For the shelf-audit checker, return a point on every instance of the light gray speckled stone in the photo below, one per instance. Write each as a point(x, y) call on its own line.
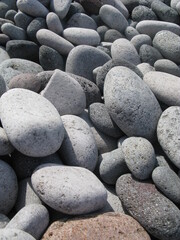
point(5, 146)
point(8, 187)
point(139, 156)
point(3, 54)
point(131, 103)
point(168, 133)
point(79, 146)
point(13, 32)
point(31, 122)
point(33, 219)
point(174, 3)
point(168, 66)
point(167, 182)
point(14, 234)
point(141, 39)
point(53, 23)
point(71, 190)
point(65, 93)
point(60, 7)
point(145, 68)
point(165, 86)
point(3, 220)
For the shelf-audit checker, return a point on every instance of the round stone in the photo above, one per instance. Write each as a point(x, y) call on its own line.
point(141, 13)
point(145, 68)
point(141, 39)
point(9, 234)
point(35, 25)
point(167, 66)
point(149, 54)
point(61, 8)
point(22, 20)
point(111, 35)
point(53, 23)
point(13, 32)
point(130, 32)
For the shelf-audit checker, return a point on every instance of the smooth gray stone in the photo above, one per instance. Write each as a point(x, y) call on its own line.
point(53, 23)
point(3, 220)
point(26, 194)
point(13, 32)
point(141, 39)
point(22, 20)
point(139, 156)
point(8, 187)
point(167, 66)
point(75, 7)
point(122, 49)
point(164, 12)
point(3, 20)
point(65, 93)
point(79, 146)
point(32, 7)
point(141, 13)
point(102, 120)
point(13, 67)
point(33, 219)
point(5, 146)
point(81, 20)
point(10, 14)
point(3, 54)
point(168, 133)
point(131, 103)
point(3, 9)
point(167, 182)
point(165, 86)
point(35, 25)
point(70, 190)
point(82, 60)
point(36, 137)
point(151, 27)
point(81, 36)
point(168, 44)
point(9, 234)
point(3, 39)
point(130, 32)
point(53, 40)
point(156, 213)
point(113, 18)
point(174, 3)
point(61, 8)
point(112, 166)
point(145, 68)
point(102, 30)
point(149, 54)
point(3, 87)
point(111, 35)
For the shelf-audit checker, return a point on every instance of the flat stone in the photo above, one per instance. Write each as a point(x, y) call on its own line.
point(70, 190)
point(81, 153)
point(35, 25)
point(3, 220)
point(149, 54)
point(141, 39)
point(81, 20)
point(36, 137)
point(32, 219)
point(9, 234)
point(156, 213)
point(8, 187)
point(13, 32)
point(53, 23)
point(139, 156)
point(60, 7)
point(141, 13)
point(167, 66)
point(5, 146)
point(165, 86)
point(65, 93)
point(135, 116)
point(168, 133)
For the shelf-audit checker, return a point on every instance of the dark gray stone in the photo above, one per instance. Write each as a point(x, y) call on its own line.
point(35, 25)
point(149, 54)
point(3, 220)
point(111, 35)
point(130, 32)
point(5, 146)
point(13, 32)
point(141, 13)
point(10, 14)
point(140, 40)
point(102, 31)
point(167, 66)
point(22, 20)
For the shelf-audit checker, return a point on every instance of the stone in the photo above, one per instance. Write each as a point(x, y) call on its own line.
point(35, 25)
point(32, 219)
point(168, 133)
point(3, 87)
point(145, 68)
point(3, 20)
point(167, 66)
point(53, 40)
point(3, 9)
point(156, 213)
point(81, 20)
point(174, 3)
point(75, 7)
point(102, 30)
point(9, 234)
point(70, 190)
point(111, 35)
point(101, 119)
point(23, 49)
point(101, 226)
point(168, 182)
point(130, 4)
point(151, 27)
point(3, 54)
point(3, 220)
point(140, 40)
point(73, 152)
point(130, 32)
point(135, 116)
point(32, 7)
point(141, 13)
point(65, 93)
point(50, 59)
point(81, 36)
point(122, 49)
point(3, 39)
point(178, 8)
point(53, 23)
point(139, 156)
point(13, 67)
point(5, 146)
point(61, 8)
point(22, 20)
point(45, 2)
point(165, 86)
point(32, 136)
point(10, 14)
point(149, 54)
point(168, 44)
point(112, 166)
point(13, 32)
point(25, 81)
point(78, 63)
point(8, 187)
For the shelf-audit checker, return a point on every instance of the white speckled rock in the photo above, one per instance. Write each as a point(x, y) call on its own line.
point(122, 49)
point(8, 187)
point(65, 93)
point(139, 156)
point(168, 133)
point(79, 146)
point(131, 103)
point(5, 145)
point(60, 7)
point(14, 234)
point(71, 190)
point(80, 36)
point(166, 87)
point(31, 122)
point(32, 219)
point(53, 23)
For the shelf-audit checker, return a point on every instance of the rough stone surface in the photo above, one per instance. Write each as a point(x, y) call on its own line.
point(35, 25)
point(145, 68)
point(10, 234)
point(149, 54)
point(141, 13)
